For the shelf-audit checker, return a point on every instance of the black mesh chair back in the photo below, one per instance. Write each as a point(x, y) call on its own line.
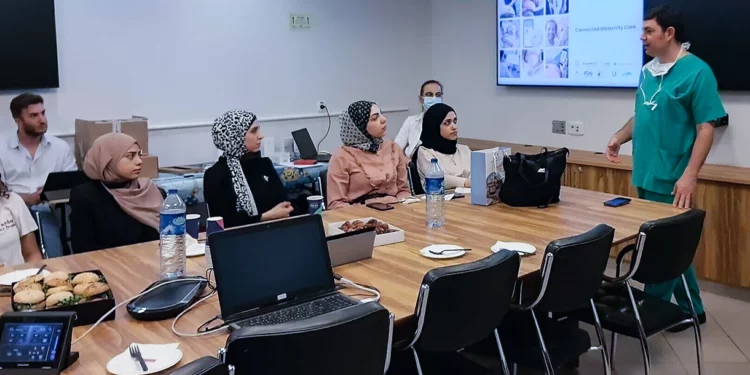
point(355, 340)
point(669, 246)
point(414, 181)
point(323, 185)
point(577, 268)
point(461, 305)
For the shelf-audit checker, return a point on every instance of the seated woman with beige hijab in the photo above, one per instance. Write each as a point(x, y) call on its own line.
point(118, 207)
point(368, 168)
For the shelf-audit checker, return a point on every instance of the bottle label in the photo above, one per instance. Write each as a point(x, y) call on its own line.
point(172, 224)
point(434, 186)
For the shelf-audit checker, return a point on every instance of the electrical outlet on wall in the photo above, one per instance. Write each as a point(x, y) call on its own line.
point(575, 128)
point(320, 105)
point(558, 126)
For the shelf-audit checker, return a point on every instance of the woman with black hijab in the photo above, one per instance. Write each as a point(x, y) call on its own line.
point(440, 141)
point(243, 187)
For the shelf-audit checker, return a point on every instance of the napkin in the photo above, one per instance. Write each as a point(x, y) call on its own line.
point(156, 356)
point(189, 240)
point(462, 190)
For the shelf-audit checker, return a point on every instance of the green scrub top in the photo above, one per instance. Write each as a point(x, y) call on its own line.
point(663, 137)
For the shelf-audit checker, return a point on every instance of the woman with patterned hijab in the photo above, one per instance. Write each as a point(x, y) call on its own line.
point(368, 168)
point(243, 187)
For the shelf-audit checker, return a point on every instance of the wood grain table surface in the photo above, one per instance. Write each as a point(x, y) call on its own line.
point(396, 270)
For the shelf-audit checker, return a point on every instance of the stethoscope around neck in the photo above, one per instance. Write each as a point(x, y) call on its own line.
point(650, 102)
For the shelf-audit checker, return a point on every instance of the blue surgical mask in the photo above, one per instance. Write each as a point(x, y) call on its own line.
point(429, 101)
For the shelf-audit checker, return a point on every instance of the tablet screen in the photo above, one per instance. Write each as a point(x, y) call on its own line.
point(38, 343)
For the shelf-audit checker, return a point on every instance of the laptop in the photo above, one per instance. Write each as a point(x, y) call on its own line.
point(275, 272)
point(350, 247)
point(58, 184)
point(307, 149)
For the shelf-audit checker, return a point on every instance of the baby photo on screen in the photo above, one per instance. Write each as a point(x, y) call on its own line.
point(509, 34)
point(531, 8)
point(533, 63)
point(509, 8)
point(510, 64)
point(557, 7)
point(556, 64)
point(556, 32)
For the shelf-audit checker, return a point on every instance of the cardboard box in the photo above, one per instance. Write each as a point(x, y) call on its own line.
point(487, 175)
point(150, 167)
point(87, 131)
point(380, 240)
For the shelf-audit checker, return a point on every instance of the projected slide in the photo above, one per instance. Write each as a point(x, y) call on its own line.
point(569, 42)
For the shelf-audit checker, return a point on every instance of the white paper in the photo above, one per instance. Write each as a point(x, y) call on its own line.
point(291, 165)
point(463, 190)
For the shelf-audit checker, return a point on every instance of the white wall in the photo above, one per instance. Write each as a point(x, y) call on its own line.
point(187, 61)
point(463, 58)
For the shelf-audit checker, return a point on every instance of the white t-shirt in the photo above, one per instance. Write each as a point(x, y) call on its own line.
point(409, 134)
point(15, 222)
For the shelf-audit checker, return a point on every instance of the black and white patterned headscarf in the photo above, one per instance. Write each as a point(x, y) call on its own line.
point(229, 136)
point(354, 127)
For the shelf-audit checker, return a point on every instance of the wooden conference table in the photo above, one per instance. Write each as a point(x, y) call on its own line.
point(396, 270)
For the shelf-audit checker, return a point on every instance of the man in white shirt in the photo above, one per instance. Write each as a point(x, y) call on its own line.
point(408, 136)
point(29, 155)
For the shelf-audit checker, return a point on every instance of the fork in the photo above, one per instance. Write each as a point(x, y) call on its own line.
point(135, 353)
point(447, 250)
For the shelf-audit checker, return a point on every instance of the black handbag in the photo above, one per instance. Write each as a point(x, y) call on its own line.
point(533, 180)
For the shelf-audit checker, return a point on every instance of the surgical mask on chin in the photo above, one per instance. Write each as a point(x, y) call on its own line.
point(659, 69)
point(429, 101)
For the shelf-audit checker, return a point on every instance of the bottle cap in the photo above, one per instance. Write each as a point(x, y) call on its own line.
point(172, 191)
point(434, 160)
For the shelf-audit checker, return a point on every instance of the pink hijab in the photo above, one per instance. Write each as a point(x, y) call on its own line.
point(139, 198)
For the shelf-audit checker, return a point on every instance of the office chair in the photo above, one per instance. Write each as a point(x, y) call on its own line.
point(205, 366)
point(461, 305)
point(49, 249)
point(323, 186)
point(355, 340)
point(664, 251)
point(415, 183)
point(572, 272)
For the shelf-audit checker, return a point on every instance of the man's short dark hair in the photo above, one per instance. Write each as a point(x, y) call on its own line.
point(430, 82)
point(23, 101)
point(667, 17)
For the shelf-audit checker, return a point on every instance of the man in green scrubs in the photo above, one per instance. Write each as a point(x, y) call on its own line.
point(676, 108)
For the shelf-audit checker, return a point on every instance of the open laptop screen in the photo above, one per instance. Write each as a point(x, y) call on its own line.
point(261, 265)
point(307, 150)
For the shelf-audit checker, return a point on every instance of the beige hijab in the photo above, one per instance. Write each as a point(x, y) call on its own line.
point(139, 198)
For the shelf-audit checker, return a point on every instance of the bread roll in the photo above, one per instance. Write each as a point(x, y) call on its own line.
point(56, 279)
point(86, 277)
point(32, 279)
point(28, 286)
point(29, 300)
point(58, 289)
point(54, 299)
point(90, 289)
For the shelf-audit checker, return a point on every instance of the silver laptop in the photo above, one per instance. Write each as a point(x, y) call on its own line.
point(351, 247)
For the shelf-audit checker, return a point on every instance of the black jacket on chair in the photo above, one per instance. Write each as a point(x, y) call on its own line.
point(97, 222)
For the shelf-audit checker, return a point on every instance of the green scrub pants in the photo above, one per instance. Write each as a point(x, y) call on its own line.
point(665, 290)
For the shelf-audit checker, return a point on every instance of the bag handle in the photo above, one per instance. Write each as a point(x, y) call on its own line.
point(523, 175)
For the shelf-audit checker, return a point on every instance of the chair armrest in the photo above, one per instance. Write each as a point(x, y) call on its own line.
point(620, 258)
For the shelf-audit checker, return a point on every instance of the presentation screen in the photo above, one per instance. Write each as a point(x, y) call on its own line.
point(591, 43)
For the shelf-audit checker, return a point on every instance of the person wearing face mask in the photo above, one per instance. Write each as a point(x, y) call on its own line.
point(408, 136)
point(440, 141)
point(368, 168)
point(117, 207)
point(677, 105)
point(243, 187)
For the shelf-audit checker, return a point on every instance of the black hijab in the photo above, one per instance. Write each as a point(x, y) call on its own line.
point(431, 123)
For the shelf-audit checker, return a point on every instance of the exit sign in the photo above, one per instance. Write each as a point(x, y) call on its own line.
point(300, 21)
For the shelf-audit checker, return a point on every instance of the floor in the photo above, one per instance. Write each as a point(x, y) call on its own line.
point(726, 341)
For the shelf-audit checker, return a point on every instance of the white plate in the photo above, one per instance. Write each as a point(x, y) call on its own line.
point(196, 250)
point(447, 255)
point(16, 276)
point(122, 364)
point(519, 247)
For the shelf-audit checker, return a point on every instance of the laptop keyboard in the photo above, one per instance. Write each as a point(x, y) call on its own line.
point(302, 311)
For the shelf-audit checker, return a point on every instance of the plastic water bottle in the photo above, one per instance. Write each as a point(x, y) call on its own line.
point(172, 235)
point(435, 195)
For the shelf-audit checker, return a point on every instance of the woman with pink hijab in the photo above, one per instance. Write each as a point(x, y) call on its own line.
point(117, 207)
